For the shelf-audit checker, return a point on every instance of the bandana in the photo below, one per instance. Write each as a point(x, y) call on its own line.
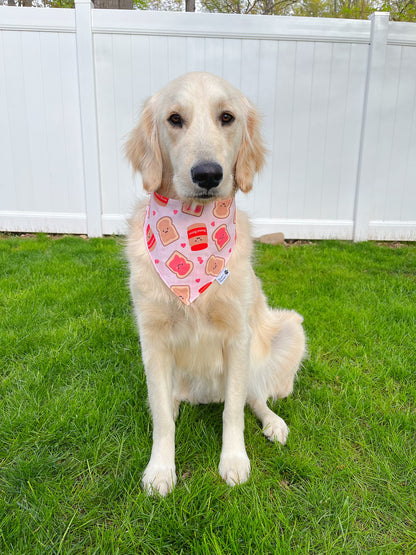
point(190, 243)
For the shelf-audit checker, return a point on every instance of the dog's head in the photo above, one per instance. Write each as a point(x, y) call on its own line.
point(198, 138)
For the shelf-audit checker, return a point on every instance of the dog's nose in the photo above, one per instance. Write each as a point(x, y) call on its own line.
point(207, 175)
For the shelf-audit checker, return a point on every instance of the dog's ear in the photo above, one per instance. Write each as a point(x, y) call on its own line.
point(143, 150)
point(251, 156)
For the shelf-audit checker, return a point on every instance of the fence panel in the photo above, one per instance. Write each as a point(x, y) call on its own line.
point(393, 180)
point(41, 185)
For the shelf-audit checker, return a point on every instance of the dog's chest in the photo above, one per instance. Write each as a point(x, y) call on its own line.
point(200, 339)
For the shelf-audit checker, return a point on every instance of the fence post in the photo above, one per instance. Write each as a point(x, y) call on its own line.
point(367, 158)
point(89, 130)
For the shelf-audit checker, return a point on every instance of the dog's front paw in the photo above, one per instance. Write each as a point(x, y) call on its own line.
point(275, 429)
point(159, 479)
point(234, 469)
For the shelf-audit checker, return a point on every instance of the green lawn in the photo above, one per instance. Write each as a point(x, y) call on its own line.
point(75, 431)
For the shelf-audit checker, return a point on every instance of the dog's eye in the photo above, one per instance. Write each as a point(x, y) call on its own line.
point(226, 118)
point(175, 120)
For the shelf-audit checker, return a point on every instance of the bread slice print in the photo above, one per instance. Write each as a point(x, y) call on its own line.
point(214, 265)
point(167, 231)
point(192, 208)
point(222, 208)
point(183, 292)
point(179, 265)
point(221, 237)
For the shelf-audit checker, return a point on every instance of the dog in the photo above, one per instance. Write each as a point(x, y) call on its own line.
point(197, 143)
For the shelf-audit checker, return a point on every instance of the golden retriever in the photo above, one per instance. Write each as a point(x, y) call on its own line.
point(198, 140)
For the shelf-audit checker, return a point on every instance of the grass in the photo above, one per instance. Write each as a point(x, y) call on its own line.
point(75, 431)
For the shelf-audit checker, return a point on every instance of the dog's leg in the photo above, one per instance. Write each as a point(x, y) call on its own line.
point(274, 376)
point(274, 427)
point(160, 473)
point(234, 464)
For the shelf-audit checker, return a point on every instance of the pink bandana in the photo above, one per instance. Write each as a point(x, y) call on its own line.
point(189, 243)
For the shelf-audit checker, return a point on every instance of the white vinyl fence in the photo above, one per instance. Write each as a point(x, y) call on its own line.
point(338, 98)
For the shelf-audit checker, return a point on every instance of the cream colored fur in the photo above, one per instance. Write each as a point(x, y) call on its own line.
point(228, 345)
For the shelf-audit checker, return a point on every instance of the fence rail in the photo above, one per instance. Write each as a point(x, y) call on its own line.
point(338, 99)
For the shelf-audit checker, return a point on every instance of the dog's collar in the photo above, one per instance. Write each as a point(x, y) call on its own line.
point(190, 243)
